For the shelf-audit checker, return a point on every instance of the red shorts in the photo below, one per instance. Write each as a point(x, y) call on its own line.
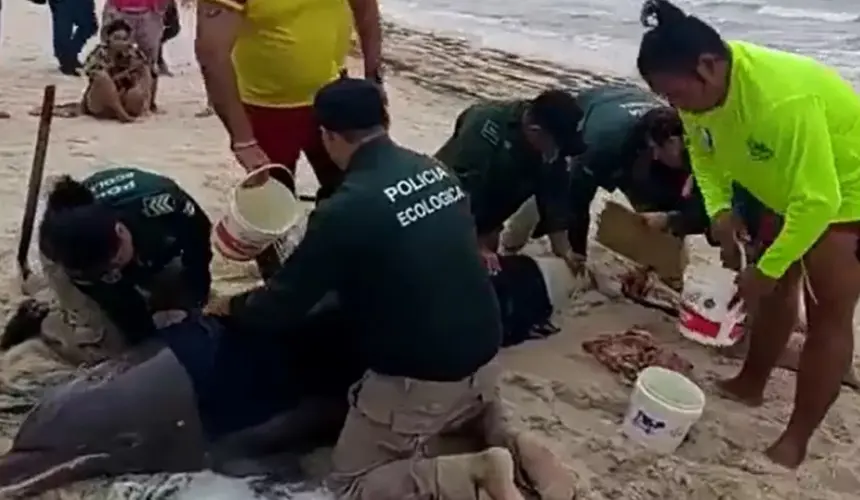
point(285, 133)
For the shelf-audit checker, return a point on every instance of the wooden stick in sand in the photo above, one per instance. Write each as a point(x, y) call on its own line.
point(36, 173)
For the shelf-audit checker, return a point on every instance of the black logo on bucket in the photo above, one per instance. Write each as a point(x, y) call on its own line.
point(647, 424)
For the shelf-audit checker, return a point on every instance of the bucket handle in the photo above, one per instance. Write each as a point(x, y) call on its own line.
point(737, 311)
point(254, 174)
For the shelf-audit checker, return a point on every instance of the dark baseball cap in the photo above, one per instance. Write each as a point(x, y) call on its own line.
point(350, 104)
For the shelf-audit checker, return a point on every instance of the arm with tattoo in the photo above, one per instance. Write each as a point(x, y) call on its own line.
point(218, 23)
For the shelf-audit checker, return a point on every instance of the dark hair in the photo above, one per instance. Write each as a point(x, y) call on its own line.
point(77, 232)
point(558, 113)
point(658, 125)
point(675, 40)
point(116, 25)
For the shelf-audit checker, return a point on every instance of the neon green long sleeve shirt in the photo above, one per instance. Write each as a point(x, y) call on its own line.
point(789, 132)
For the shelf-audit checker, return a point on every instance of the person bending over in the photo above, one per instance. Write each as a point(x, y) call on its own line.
point(792, 142)
point(504, 152)
point(120, 77)
point(427, 338)
point(113, 241)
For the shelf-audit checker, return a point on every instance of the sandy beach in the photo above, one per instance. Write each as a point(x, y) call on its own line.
point(552, 386)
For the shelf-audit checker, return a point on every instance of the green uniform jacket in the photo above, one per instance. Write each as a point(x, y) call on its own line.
point(166, 225)
point(397, 245)
point(611, 114)
point(496, 166)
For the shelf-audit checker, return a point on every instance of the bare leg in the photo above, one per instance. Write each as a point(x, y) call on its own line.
point(834, 272)
point(136, 99)
point(102, 99)
point(769, 331)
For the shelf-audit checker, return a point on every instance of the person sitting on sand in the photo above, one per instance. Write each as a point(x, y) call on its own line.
point(792, 142)
point(120, 77)
point(109, 242)
point(505, 152)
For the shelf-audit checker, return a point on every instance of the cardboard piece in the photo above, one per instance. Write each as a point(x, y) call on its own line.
point(621, 230)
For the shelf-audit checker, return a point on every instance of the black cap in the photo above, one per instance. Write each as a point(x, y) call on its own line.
point(350, 104)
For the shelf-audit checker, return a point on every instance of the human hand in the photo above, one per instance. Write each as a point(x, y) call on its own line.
point(251, 156)
point(491, 261)
point(753, 286)
point(658, 221)
point(576, 263)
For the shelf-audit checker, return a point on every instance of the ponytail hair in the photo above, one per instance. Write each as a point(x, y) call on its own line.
point(77, 232)
point(68, 193)
point(675, 40)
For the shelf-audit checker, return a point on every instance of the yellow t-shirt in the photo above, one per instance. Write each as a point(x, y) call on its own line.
point(288, 49)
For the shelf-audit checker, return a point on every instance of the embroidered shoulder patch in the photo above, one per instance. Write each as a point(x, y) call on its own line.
point(160, 204)
point(491, 133)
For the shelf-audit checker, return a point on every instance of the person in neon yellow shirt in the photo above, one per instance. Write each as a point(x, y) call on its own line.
point(787, 128)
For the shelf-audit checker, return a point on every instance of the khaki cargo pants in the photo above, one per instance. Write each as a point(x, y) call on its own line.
point(382, 452)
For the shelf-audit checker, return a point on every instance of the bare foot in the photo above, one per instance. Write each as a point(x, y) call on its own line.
point(739, 390)
point(493, 471)
point(546, 472)
point(787, 453)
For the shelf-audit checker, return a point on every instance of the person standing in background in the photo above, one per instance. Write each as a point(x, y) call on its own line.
point(264, 61)
point(172, 27)
point(74, 23)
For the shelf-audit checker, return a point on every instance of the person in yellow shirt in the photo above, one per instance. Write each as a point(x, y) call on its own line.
point(264, 60)
point(786, 128)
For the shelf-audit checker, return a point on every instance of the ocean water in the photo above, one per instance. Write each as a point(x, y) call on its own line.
point(604, 34)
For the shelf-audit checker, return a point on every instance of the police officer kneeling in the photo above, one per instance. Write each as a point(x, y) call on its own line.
point(397, 244)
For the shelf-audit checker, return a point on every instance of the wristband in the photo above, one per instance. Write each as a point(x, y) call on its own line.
point(238, 146)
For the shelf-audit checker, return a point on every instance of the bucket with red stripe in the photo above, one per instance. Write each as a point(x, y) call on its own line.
point(258, 216)
point(708, 312)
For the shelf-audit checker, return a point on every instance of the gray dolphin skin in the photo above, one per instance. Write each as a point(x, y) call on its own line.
point(114, 420)
point(141, 413)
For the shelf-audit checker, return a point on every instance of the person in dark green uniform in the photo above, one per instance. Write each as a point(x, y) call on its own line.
point(116, 242)
point(428, 337)
point(505, 152)
point(635, 144)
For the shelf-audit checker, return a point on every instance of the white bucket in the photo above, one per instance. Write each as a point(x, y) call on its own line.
point(704, 312)
point(663, 406)
point(257, 217)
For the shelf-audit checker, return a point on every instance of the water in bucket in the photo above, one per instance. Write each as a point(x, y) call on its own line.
point(664, 405)
point(257, 217)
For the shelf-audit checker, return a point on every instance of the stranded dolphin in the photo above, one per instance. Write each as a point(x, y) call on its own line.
point(199, 397)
